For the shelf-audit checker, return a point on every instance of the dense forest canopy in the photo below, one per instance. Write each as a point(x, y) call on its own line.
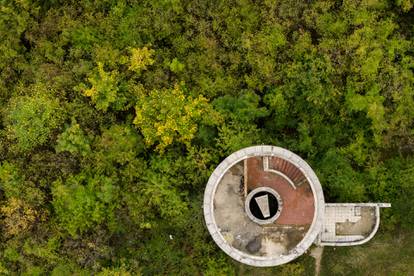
point(113, 114)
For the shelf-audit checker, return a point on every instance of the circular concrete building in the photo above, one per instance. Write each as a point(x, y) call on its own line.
point(264, 206)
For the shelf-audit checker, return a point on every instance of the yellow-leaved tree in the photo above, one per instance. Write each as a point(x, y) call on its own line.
point(140, 59)
point(18, 216)
point(107, 88)
point(104, 88)
point(168, 115)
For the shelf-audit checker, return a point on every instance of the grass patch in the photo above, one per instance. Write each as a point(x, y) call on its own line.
point(387, 254)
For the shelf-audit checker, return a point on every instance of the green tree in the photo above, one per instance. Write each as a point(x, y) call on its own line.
point(119, 144)
point(74, 140)
point(84, 201)
point(30, 120)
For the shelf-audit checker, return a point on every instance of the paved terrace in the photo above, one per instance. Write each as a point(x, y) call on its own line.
point(347, 224)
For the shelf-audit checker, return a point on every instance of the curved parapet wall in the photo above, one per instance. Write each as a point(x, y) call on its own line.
point(348, 224)
point(240, 237)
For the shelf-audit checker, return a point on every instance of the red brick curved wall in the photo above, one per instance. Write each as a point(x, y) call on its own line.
point(298, 204)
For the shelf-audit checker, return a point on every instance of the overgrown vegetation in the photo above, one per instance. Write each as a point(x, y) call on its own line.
point(114, 113)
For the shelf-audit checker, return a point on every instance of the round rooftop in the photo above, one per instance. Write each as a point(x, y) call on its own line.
point(264, 206)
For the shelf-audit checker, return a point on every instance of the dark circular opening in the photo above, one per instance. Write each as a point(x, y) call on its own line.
point(272, 203)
